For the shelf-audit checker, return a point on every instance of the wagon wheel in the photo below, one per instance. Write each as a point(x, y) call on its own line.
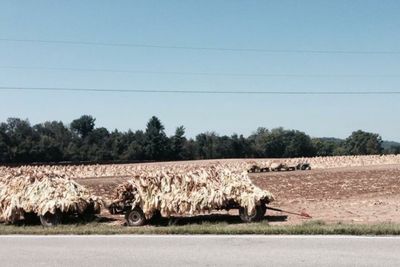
point(50, 219)
point(257, 215)
point(135, 217)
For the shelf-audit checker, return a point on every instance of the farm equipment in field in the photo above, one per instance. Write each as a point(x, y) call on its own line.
point(303, 166)
point(279, 166)
point(255, 168)
point(288, 167)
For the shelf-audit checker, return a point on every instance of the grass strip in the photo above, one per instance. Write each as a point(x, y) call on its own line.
point(262, 228)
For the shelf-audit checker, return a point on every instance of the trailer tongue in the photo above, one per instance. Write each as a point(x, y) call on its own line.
point(302, 214)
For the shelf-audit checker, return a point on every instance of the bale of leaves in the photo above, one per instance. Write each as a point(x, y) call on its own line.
point(190, 191)
point(24, 192)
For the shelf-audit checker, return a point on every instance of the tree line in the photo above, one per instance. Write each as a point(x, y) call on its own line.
point(54, 141)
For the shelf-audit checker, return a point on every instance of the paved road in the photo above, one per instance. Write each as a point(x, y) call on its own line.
point(198, 251)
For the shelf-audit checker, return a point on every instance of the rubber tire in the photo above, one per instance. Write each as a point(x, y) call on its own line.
point(135, 217)
point(258, 214)
point(50, 219)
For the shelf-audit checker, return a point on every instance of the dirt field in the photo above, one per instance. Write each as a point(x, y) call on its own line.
point(352, 195)
point(362, 195)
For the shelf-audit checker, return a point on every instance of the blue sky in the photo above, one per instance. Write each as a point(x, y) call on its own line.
point(286, 25)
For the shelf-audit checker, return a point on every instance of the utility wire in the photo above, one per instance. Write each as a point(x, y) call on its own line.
point(184, 73)
point(68, 89)
point(178, 47)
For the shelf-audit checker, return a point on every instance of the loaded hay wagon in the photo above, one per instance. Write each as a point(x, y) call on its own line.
point(48, 196)
point(188, 193)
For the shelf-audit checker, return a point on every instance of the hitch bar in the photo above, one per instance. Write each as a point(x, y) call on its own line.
point(302, 214)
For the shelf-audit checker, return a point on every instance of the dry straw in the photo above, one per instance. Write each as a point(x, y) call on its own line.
point(24, 191)
point(83, 171)
point(186, 191)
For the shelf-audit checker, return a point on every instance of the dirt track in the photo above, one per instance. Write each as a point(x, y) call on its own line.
point(352, 194)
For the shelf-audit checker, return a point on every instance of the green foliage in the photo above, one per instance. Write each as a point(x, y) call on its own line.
point(207, 145)
point(328, 146)
point(155, 140)
point(54, 142)
point(134, 146)
point(178, 144)
point(363, 143)
point(297, 144)
point(4, 146)
point(83, 126)
point(279, 143)
point(21, 139)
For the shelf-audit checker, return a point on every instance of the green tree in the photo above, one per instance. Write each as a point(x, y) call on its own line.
point(241, 147)
point(135, 144)
point(275, 145)
point(21, 140)
point(279, 143)
point(178, 141)
point(258, 141)
point(4, 145)
point(190, 150)
point(83, 126)
point(363, 143)
point(207, 145)
point(156, 141)
point(47, 149)
point(54, 139)
point(297, 144)
point(98, 145)
point(328, 146)
point(224, 147)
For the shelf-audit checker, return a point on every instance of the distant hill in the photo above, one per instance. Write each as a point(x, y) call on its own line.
point(385, 144)
point(389, 144)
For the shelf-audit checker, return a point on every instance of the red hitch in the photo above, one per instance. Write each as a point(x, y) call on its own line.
point(302, 214)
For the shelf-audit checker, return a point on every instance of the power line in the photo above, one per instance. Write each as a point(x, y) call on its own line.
point(184, 73)
point(232, 49)
point(69, 89)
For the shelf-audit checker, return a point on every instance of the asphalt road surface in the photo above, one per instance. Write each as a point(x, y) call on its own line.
point(199, 251)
